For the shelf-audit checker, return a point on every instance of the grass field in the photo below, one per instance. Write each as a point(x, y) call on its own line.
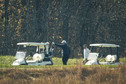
point(6, 62)
point(73, 73)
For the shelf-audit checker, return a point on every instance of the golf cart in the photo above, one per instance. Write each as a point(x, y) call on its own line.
point(33, 53)
point(103, 54)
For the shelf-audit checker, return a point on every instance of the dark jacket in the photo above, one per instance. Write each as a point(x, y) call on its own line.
point(65, 47)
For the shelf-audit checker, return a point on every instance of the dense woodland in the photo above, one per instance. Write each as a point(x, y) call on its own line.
point(77, 21)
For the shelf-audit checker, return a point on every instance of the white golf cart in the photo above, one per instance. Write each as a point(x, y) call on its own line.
point(32, 53)
point(103, 54)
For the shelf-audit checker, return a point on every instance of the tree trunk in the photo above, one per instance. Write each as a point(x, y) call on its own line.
point(6, 27)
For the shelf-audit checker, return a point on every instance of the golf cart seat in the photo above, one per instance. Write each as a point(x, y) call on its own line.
point(36, 58)
point(111, 58)
point(20, 58)
point(92, 59)
point(20, 55)
point(92, 56)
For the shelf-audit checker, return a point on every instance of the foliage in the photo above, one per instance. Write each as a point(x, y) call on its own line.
point(70, 75)
point(77, 21)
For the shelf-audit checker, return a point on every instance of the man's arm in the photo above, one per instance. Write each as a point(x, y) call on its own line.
point(84, 53)
point(59, 45)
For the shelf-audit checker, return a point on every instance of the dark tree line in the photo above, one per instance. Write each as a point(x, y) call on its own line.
point(77, 21)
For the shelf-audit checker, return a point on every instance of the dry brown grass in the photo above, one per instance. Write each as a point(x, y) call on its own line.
point(65, 75)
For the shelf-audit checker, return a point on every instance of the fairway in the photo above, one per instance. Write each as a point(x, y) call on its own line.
point(6, 62)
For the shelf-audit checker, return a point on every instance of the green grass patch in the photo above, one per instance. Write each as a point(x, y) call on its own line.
point(6, 62)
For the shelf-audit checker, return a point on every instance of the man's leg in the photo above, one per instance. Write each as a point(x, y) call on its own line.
point(65, 59)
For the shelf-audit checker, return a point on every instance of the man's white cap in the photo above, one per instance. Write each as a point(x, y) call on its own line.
point(63, 41)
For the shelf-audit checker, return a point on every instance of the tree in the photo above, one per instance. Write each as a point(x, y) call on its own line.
point(6, 27)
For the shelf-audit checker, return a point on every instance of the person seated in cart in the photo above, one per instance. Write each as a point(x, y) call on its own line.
point(86, 52)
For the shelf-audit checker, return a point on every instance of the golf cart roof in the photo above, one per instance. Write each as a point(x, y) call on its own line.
point(104, 45)
point(33, 43)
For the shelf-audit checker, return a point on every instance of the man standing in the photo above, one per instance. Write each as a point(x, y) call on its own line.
point(86, 52)
point(65, 51)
